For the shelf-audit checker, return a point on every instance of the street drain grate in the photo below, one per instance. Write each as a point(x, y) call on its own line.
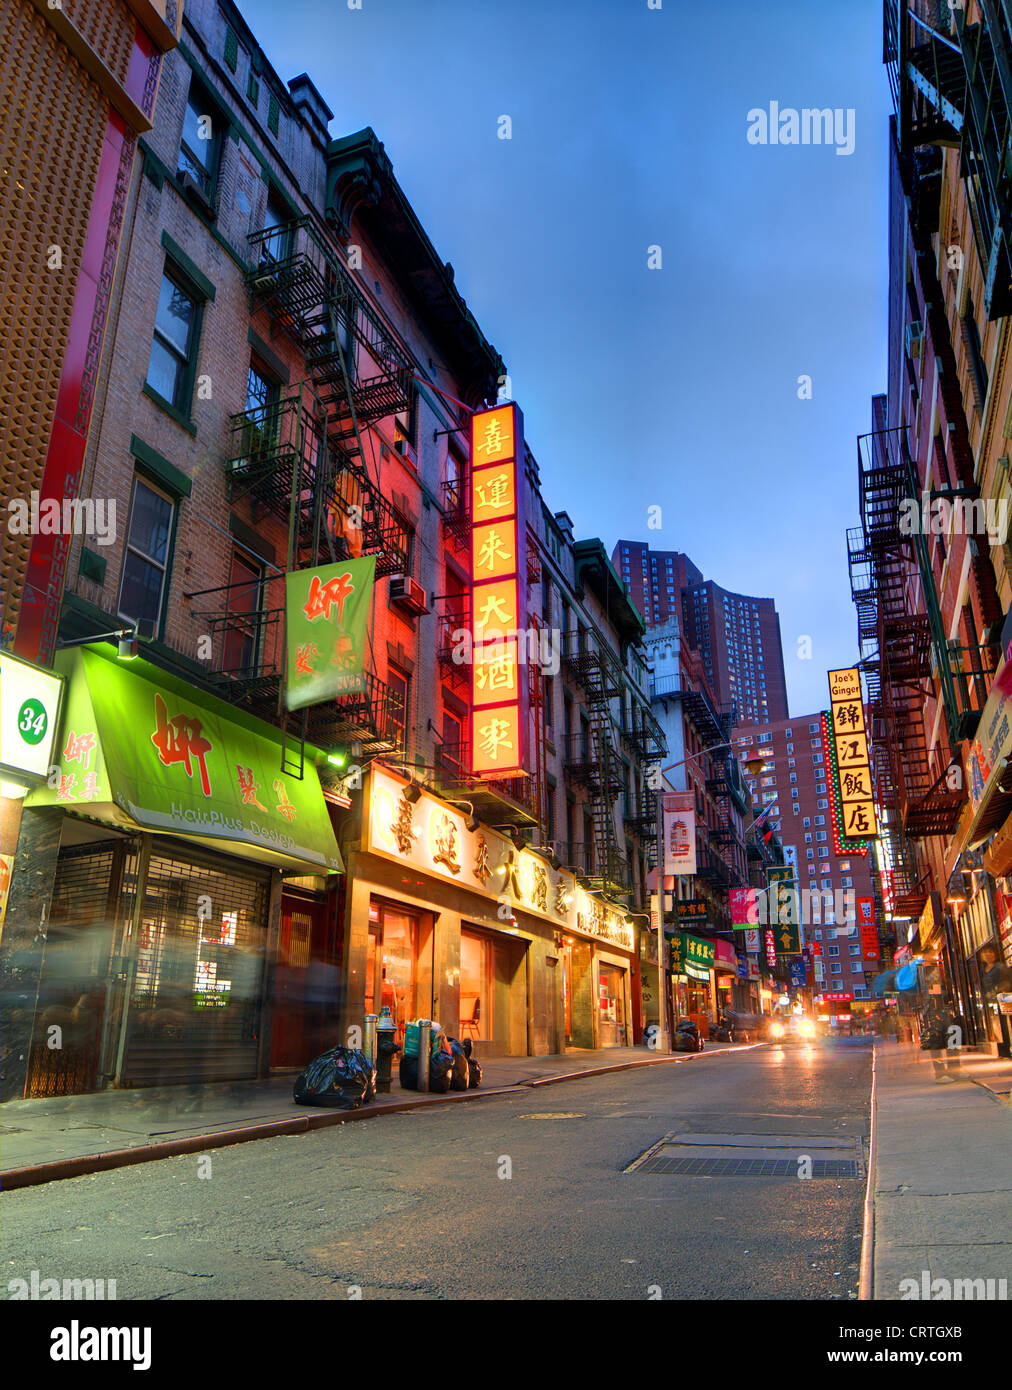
point(753, 1156)
point(749, 1167)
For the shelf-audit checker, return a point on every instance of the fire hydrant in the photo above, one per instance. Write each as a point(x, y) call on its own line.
point(386, 1049)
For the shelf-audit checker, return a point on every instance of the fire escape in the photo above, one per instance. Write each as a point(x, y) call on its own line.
point(592, 759)
point(643, 738)
point(301, 461)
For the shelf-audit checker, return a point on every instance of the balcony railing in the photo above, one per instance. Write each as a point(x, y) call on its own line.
point(497, 801)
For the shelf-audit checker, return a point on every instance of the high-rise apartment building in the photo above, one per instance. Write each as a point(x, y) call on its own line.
point(796, 780)
point(736, 635)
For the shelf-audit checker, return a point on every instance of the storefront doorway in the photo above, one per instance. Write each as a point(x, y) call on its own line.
point(307, 985)
point(611, 1005)
point(493, 991)
point(476, 986)
point(391, 968)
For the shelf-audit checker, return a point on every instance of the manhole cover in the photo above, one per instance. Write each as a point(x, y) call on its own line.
point(753, 1156)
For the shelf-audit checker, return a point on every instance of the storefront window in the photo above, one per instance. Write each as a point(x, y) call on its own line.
point(390, 965)
point(475, 986)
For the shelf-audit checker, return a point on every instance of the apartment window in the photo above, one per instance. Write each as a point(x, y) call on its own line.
point(241, 651)
point(453, 730)
point(808, 837)
point(811, 868)
point(827, 883)
point(822, 805)
point(400, 689)
point(405, 426)
point(201, 142)
point(855, 948)
point(816, 743)
point(847, 882)
point(823, 853)
point(813, 728)
point(844, 865)
point(146, 557)
point(820, 820)
point(796, 810)
point(793, 776)
point(791, 762)
point(832, 950)
point(835, 968)
point(172, 363)
point(809, 853)
point(253, 89)
point(794, 791)
point(273, 114)
point(231, 50)
point(818, 933)
point(261, 391)
point(971, 336)
point(790, 749)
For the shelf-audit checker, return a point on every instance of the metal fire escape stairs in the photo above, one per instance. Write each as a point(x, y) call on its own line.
point(311, 297)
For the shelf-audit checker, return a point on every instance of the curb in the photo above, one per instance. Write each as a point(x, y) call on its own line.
point(35, 1175)
point(866, 1289)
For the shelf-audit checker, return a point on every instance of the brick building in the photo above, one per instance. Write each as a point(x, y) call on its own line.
point(288, 381)
point(796, 781)
point(737, 636)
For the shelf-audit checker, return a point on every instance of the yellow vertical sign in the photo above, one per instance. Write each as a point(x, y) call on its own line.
point(853, 769)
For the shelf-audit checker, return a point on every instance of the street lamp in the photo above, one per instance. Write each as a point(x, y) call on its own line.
point(753, 764)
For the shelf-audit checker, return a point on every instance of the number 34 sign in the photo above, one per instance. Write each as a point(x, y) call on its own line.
point(29, 719)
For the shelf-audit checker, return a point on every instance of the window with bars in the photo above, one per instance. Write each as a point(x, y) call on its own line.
point(231, 50)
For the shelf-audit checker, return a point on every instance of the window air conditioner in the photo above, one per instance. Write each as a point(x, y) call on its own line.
point(407, 593)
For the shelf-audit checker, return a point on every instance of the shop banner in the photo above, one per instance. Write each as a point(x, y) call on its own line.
point(327, 612)
point(753, 967)
point(752, 941)
point(691, 910)
point(796, 970)
point(697, 951)
point(994, 739)
point(771, 948)
point(744, 907)
point(869, 931)
point(742, 965)
point(679, 833)
point(177, 763)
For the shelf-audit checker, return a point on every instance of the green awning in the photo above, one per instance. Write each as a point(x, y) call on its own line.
point(140, 748)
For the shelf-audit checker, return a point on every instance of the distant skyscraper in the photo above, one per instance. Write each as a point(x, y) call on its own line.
point(736, 635)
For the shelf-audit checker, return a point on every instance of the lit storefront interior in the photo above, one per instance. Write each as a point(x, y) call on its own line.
point(486, 938)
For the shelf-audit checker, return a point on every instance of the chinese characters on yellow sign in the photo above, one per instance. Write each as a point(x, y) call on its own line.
point(852, 770)
point(498, 593)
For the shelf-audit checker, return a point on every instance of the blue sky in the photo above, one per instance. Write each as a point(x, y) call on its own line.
point(675, 387)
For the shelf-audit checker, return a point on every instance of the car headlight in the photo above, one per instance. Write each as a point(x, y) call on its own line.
point(806, 1028)
point(777, 1030)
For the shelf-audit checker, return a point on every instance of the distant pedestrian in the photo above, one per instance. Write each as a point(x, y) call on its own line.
point(942, 1036)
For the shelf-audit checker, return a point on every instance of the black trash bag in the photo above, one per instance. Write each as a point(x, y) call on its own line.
point(440, 1069)
point(342, 1077)
point(460, 1075)
point(473, 1068)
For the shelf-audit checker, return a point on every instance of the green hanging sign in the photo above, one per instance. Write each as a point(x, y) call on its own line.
point(327, 611)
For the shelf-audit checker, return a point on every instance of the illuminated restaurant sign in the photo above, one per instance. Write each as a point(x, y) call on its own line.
point(850, 764)
point(432, 837)
point(498, 593)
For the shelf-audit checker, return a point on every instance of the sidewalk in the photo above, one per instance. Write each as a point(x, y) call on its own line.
point(63, 1136)
point(942, 1175)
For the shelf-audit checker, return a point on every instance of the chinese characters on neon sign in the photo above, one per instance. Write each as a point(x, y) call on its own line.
point(498, 593)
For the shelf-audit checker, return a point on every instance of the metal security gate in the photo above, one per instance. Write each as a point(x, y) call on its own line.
point(196, 988)
point(75, 1006)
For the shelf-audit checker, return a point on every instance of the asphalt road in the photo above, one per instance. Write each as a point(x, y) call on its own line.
point(419, 1205)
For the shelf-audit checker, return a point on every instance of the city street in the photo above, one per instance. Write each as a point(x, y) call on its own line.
point(413, 1206)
